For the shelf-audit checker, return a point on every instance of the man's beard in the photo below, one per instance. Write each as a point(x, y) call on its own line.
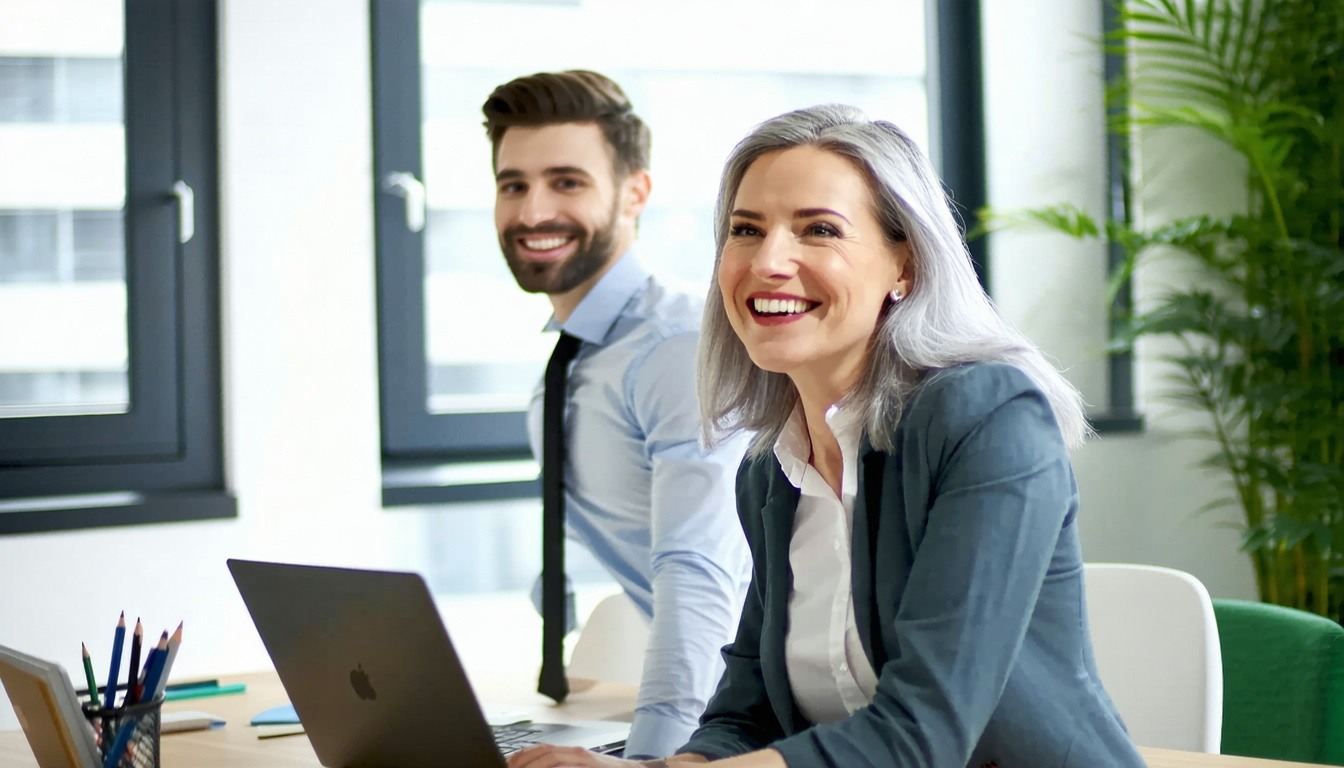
point(594, 251)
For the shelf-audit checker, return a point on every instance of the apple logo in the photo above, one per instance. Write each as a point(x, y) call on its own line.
point(359, 680)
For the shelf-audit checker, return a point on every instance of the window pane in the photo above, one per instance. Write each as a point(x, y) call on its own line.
point(99, 245)
point(483, 345)
point(28, 251)
point(92, 90)
point(27, 89)
point(63, 331)
point(60, 89)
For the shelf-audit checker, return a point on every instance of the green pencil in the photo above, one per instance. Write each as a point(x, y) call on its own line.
point(202, 691)
point(88, 672)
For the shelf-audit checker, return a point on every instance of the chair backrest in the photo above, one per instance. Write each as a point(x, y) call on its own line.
point(1156, 644)
point(610, 647)
point(1283, 682)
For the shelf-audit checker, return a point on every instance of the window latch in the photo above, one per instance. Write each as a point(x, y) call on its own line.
point(186, 211)
point(404, 184)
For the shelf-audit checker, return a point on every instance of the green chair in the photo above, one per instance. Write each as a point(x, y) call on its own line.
point(1283, 683)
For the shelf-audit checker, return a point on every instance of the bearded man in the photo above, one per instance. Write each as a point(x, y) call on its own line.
point(633, 483)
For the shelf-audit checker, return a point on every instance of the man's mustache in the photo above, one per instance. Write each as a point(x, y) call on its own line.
point(518, 231)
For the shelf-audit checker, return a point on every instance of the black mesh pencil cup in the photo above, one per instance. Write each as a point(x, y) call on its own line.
point(128, 736)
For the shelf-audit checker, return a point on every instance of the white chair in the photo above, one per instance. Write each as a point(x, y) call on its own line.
point(610, 646)
point(1156, 644)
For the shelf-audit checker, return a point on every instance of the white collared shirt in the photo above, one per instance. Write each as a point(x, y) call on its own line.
point(829, 673)
point(645, 498)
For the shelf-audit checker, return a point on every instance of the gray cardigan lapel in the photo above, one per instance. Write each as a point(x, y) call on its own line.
point(777, 518)
point(863, 549)
point(781, 504)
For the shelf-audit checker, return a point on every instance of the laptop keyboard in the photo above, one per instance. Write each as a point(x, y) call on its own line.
point(512, 738)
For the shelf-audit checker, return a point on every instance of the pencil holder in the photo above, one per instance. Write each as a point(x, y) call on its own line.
point(128, 736)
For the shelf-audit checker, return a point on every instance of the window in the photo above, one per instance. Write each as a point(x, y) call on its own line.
point(460, 347)
point(109, 384)
point(1120, 415)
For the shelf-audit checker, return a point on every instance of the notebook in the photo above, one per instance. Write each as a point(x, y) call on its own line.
point(373, 676)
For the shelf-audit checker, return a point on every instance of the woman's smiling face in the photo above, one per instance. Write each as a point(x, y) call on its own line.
point(806, 268)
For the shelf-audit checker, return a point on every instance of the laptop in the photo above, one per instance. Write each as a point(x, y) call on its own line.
point(372, 675)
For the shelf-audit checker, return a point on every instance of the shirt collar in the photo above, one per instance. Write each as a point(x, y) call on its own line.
point(593, 319)
point(793, 449)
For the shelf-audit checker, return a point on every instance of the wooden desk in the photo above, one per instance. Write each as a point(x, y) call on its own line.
point(237, 745)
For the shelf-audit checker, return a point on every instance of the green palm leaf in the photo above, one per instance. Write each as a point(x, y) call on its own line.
point(1261, 333)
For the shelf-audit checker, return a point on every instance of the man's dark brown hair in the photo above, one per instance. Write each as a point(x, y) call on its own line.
point(573, 96)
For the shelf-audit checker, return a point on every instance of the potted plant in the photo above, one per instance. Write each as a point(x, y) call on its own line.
point(1261, 334)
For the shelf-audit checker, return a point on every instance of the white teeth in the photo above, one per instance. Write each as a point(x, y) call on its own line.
point(545, 243)
point(780, 306)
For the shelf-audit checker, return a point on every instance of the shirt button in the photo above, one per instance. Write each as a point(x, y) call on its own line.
point(844, 667)
point(837, 545)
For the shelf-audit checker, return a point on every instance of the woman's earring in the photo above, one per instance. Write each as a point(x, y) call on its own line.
point(895, 295)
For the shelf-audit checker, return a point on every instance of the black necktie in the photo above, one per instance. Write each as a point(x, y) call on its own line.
point(553, 682)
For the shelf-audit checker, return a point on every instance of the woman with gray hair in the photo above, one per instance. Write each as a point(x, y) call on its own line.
point(917, 591)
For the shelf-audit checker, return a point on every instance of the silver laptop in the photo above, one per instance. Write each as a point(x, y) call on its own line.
point(372, 675)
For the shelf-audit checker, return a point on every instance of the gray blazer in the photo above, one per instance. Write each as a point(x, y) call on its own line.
point(968, 597)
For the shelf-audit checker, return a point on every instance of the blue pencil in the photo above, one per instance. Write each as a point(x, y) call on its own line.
point(174, 642)
point(118, 640)
point(119, 746)
point(158, 658)
point(141, 695)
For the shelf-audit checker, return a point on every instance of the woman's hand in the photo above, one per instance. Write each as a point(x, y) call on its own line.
point(549, 756)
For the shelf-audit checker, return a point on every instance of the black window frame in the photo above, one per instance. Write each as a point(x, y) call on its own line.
point(1120, 416)
point(162, 460)
point(409, 429)
point(419, 447)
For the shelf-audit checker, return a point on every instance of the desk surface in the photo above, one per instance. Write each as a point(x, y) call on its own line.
point(237, 744)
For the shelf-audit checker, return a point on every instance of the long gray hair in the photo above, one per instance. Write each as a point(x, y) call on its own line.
point(945, 320)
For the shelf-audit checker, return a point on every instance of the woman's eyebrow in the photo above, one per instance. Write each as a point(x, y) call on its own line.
point(807, 213)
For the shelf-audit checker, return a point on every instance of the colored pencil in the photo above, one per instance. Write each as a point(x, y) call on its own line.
point(137, 639)
point(140, 680)
point(182, 686)
point(154, 668)
point(203, 691)
point(88, 672)
point(173, 643)
point(118, 640)
point(188, 684)
point(119, 745)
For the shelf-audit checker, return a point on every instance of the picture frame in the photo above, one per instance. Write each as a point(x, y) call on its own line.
point(48, 711)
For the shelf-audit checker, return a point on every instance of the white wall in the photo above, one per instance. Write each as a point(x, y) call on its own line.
point(1045, 117)
point(299, 344)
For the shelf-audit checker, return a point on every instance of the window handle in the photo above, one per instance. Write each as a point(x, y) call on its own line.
point(186, 211)
point(404, 184)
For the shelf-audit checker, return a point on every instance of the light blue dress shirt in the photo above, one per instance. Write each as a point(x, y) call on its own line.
point(651, 504)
